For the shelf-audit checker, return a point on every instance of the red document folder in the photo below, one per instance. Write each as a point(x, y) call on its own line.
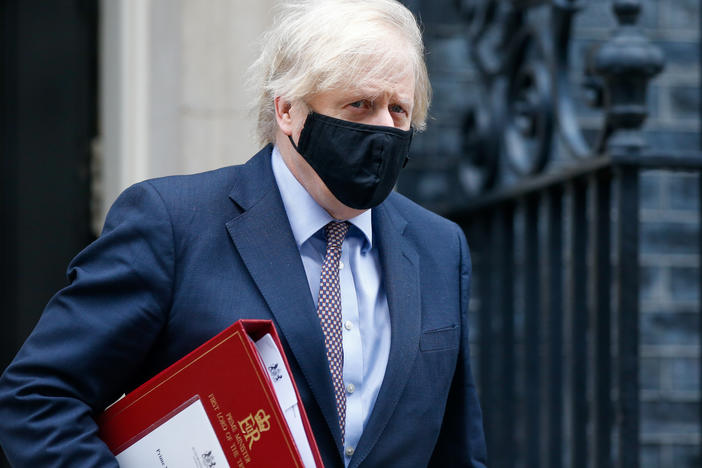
point(227, 378)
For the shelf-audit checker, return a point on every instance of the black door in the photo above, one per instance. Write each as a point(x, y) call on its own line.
point(48, 82)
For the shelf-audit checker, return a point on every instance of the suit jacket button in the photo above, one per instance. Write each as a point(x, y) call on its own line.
point(349, 451)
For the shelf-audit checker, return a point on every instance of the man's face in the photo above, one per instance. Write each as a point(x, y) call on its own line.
point(381, 103)
point(384, 102)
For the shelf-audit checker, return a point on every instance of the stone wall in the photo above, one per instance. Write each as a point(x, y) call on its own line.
point(172, 89)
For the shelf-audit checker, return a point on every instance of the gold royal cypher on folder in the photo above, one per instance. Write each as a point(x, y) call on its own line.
point(252, 426)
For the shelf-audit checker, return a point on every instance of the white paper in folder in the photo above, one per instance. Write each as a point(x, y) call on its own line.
point(285, 392)
point(184, 440)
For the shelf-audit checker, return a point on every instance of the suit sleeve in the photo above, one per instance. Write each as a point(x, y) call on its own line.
point(91, 338)
point(461, 442)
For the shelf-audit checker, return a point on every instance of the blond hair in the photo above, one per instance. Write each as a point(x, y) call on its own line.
point(319, 45)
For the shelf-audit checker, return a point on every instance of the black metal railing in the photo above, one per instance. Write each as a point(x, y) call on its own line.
point(556, 254)
point(559, 373)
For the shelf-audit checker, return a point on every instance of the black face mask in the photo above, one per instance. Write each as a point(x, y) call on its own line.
point(359, 163)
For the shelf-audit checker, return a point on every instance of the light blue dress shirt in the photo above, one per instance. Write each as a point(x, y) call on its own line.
point(364, 305)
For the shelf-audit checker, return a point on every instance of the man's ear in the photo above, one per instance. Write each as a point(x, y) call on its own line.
point(282, 115)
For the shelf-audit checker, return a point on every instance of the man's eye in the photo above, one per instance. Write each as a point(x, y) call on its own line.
point(397, 109)
point(359, 104)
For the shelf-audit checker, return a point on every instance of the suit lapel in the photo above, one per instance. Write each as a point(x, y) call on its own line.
point(264, 240)
point(400, 263)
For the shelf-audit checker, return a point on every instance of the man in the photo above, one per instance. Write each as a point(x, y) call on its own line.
point(378, 346)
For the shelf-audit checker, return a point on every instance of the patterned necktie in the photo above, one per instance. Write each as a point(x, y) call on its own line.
point(329, 312)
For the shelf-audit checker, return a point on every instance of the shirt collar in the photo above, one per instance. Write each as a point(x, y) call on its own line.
point(306, 216)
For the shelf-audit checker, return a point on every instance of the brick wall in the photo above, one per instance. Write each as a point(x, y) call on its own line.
point(670, 277)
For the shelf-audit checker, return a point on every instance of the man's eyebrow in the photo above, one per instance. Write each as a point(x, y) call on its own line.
point(405, 101)
point(371, 94)
point(364, 93)
point(375, 94)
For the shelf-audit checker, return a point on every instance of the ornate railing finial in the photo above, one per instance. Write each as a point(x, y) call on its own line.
point(528, 95)
point(627, 11)
point(627, 62)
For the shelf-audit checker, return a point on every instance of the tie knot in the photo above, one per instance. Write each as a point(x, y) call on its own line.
point(335, 232)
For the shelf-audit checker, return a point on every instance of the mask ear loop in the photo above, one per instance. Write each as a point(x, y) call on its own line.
point(293, 143)
point(407, 158)
point(310, 112)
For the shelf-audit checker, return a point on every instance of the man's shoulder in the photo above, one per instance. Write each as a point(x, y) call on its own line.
point(417, 216)
point(433, 236)
point(212, 187)
point(202, 185)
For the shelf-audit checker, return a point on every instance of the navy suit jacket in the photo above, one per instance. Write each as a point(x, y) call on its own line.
point(181, 258)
